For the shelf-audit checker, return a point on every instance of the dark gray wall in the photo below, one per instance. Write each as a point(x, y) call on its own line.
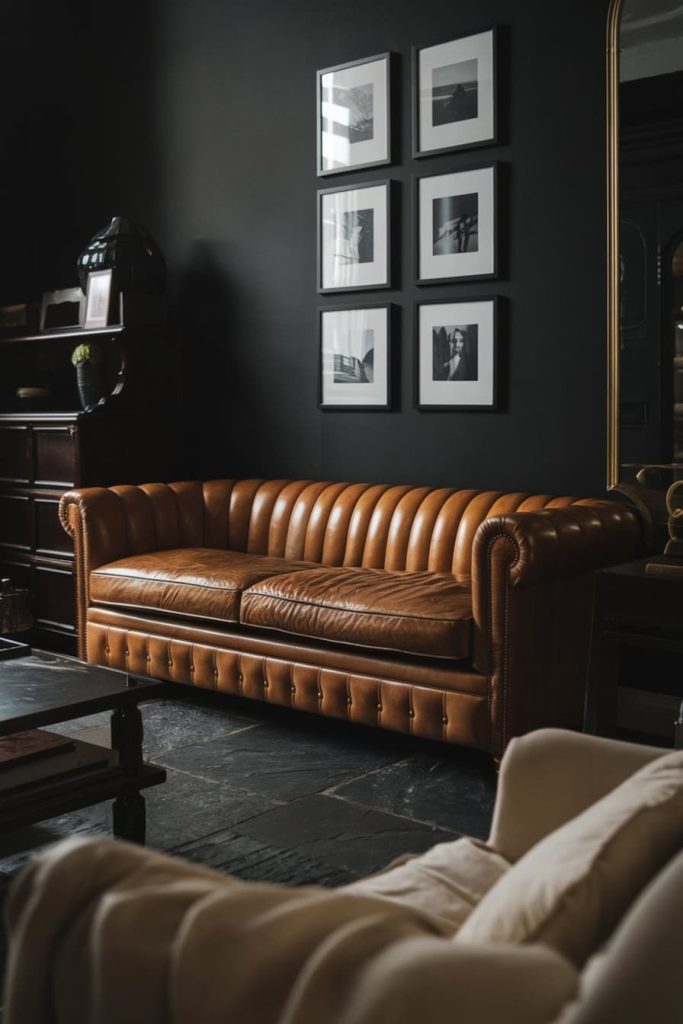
point(210, 140)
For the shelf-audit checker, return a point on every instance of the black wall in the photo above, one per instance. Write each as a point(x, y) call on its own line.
point(201, 123)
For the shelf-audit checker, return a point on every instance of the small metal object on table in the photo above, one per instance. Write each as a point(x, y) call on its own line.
point(638, 605)
point(43, 689)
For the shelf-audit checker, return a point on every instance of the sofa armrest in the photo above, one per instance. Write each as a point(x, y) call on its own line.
point(542, 546)
point(109, 523)
point(550, 776)
point(532, 600)
point(95, 520)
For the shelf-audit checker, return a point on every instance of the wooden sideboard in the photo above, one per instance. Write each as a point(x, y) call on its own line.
point(131, 436)
point(634, 675)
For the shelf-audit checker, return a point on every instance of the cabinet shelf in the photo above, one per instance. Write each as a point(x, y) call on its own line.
point(62, 333)
point(138, 363)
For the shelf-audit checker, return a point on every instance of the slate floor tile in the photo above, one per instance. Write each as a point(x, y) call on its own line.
point(252, 860)
point(183, 809)
point(356, 839)
point(281, 763)
point(455, 791)
point(169, 724)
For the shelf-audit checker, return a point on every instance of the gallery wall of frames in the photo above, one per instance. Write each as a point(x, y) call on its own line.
point(201, 124)
point(454, 223)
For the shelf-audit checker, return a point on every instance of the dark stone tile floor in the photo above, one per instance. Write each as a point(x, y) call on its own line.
point(276, 795)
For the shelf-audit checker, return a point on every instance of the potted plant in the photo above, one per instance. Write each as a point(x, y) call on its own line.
point(87, 359)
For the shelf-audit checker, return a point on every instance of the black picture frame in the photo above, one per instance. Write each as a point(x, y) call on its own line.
point(446, 278)
point(390, 61)
point(390, 213)
point(489, 406)
point(391, 364)
point(488, 139)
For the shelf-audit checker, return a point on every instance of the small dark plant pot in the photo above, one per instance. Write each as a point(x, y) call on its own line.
point(90, 384)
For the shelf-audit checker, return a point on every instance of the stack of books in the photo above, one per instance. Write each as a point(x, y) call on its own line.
point(38, 755)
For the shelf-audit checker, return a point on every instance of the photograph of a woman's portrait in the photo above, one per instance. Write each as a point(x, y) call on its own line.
point(455, 352)
point(455, 355)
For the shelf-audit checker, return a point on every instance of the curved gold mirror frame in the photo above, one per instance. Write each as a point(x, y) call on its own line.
point(613, 253)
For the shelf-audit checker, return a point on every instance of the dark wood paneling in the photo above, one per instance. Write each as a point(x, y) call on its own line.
point(17, 570)
point(50, 536)
point(48, 638)
point(54, 596)
point(15, 517)
point(15, 454)
point(55, 456)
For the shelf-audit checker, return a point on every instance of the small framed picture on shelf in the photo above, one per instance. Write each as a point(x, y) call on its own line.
point(353, 115)
point(62, 308)
point(454, 94)
point(456, 355)
point(456, 225)
point(355, 357)
point(353, 237)
point(98, 298)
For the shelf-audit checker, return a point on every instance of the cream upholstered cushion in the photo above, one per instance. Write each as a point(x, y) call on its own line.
point(637, 976)
point(572, 888)
point(436, 982)
point(447, 882)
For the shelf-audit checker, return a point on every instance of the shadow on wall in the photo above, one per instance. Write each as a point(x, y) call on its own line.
point(213, 395)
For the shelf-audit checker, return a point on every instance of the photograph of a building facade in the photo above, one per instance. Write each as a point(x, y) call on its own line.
point(341, 558)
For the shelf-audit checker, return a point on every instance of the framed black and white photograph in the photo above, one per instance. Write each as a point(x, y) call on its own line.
point(98, 298)
point(355, 357)
point(456, 354)
point(456, 225)
point(353, 112)
point(353, 238)
point(454, 94)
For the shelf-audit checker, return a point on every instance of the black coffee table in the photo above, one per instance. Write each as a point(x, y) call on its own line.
point(42, 689)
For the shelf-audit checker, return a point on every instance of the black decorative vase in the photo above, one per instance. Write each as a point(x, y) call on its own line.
point(90, 381)
point(130, 251)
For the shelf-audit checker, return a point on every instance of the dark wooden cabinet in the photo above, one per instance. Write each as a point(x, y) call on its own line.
point(133, 435)
point(634, 677)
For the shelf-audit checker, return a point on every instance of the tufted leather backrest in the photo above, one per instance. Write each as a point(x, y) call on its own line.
point(372, 525)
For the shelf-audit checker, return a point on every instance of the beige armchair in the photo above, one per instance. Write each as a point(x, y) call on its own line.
point(103, 931)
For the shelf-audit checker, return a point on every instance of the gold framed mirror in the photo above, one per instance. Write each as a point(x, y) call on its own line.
point(645, 251)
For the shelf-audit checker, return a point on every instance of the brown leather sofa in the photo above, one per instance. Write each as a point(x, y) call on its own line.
point(460, 616)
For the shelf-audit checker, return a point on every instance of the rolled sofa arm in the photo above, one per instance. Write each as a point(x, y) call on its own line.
point(108, 523)
point(114, 522)
point(537, 547)
point(532, 600)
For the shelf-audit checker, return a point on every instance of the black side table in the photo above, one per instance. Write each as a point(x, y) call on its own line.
point(634, 608)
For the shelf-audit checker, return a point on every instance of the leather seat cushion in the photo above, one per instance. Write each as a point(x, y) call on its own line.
point(421, 613)
point(204, 583)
